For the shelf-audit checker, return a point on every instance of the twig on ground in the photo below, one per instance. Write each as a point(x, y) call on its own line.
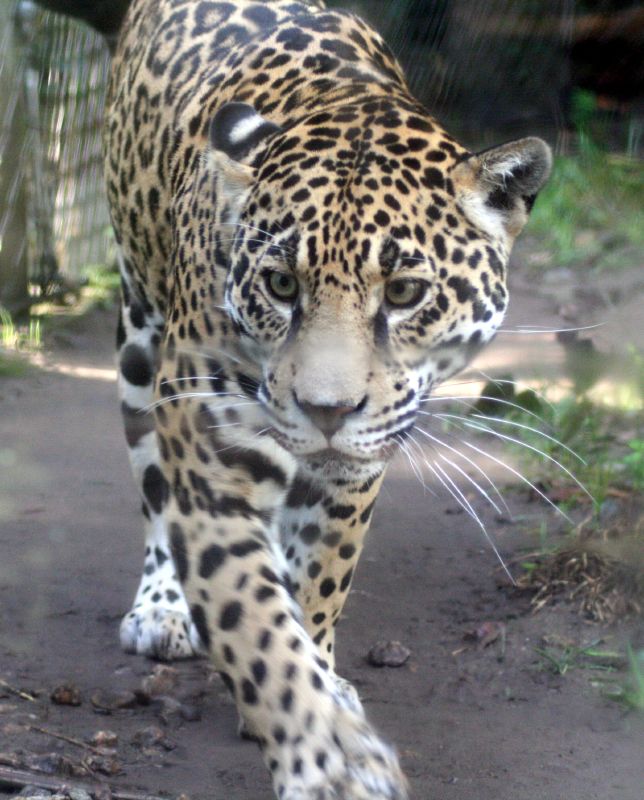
point(18, 692)
point(9, 760)
point(64, 738)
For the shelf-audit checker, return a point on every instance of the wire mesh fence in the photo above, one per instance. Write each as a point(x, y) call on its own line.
point(54, 220)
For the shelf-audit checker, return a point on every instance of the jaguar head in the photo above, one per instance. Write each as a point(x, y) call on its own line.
point(368, 264)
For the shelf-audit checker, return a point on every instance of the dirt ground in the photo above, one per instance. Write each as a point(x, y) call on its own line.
point(471, 722)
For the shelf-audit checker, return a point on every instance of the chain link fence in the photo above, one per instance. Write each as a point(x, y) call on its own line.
point(54, 221)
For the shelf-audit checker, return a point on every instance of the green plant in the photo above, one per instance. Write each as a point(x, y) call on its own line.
point(545, 547)
point(100, 285)
point(11, 366)
point(630, 691)
point(97, 288)
point(634, 463)
point(566, 441)
point(560, 657)
point(570, 443)
point(14, 337)
point(590, 210)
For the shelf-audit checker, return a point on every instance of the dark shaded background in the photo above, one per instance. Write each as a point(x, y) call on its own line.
point(491, 68)
point(496, 66)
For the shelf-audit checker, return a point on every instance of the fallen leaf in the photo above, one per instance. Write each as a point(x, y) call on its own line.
point(485, 634)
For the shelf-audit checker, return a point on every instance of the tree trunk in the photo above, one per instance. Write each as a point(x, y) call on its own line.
point(14, 294)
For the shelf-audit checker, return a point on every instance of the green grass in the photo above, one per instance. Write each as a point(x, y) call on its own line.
point(99, 288)
point(560, 657)
point(598, 446)
point(590, 211)
point(588, 460)
point(633, 463)
point(629, 691)
point(618, 675)
point(14, 340)
point(100, 285)
point(15, 337)
point(11, 366)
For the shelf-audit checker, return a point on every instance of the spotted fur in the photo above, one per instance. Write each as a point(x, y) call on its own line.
point(305, 254)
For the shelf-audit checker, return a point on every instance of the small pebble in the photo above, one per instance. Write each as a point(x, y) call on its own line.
point(152, 736)
point(66, 695)
point(106, 702)
point(486, 633)
point(79, 794)
point(104, 739)
point(103, 792)
point(170, 709)
point(162, 680)
point(190, 713)
point(31, 791)
point(388, 654)
point(106, 764)
point(50, 764)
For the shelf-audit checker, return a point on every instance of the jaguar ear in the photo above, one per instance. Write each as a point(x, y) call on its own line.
point(235, 131)
point(497, 187)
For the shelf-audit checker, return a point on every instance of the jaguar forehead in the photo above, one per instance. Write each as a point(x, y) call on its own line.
point(290, 245)
point(388, 256)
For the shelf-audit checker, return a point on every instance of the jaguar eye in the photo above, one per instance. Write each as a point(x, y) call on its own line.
point(282, 286)
point(405, 292)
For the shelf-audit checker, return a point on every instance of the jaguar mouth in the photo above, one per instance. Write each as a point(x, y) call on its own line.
point(332, 464)
point(328, 458)
point(331, 454)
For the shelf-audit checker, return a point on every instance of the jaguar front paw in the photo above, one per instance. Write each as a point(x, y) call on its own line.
point(160, 633)
point(371, 772)
point(354, 764)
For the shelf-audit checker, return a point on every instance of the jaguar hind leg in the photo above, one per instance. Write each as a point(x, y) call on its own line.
point(159, 624)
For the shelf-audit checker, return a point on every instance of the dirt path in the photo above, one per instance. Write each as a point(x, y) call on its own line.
point(471, 723)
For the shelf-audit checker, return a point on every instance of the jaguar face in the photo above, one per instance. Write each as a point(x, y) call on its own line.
point(368, 265)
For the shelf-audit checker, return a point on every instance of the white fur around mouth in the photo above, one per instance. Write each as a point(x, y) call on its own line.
point(332, 464)
point(331, 454)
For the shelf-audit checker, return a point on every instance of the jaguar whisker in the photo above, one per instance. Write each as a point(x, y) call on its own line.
point(182, 395)
point(513, 423)
point(412, 463)
point(468, 506)
point(452, 488)
point(470, 461)
point(514, 440)
point(463, 401)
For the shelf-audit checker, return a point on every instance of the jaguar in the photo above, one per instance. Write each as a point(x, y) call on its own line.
point(305, 254)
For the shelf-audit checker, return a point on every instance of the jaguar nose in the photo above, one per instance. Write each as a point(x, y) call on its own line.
point(329, 418)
